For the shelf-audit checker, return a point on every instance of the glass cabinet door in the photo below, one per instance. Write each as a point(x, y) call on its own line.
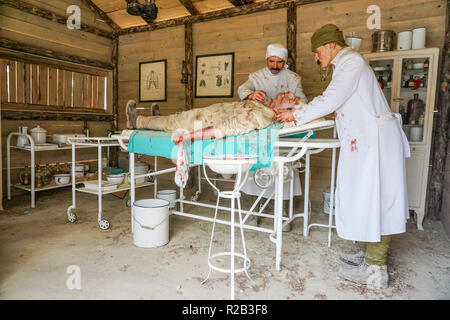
point(413, 96)
point(383, 72)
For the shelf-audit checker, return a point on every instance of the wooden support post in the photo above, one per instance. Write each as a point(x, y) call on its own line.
point(188, 56)
point(115, 122)
point(440, 136)
point(189, 6)
point(291, 36)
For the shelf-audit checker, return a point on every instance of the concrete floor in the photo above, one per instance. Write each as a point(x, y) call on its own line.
point(38, 249)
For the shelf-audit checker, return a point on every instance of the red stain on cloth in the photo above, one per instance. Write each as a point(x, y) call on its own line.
point(182, 170)
point(353, 146)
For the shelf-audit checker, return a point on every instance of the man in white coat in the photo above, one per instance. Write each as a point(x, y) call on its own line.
point(371, 195)
point(264, 85)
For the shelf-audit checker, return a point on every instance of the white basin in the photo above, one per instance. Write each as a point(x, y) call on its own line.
point(229, 163)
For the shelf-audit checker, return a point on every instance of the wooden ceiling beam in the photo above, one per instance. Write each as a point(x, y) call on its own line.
point(93, 7)
point(239, 3)
point(189, 7)
point(31, 9)
point(214, 15)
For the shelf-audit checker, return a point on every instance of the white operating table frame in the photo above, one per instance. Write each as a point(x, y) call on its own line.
point(287, 151)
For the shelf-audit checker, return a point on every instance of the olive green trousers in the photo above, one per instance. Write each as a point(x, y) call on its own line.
point(377, 252)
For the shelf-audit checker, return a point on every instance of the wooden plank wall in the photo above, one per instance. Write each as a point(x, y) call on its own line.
point(39, 32)
point(166, 44)
point(247, 36)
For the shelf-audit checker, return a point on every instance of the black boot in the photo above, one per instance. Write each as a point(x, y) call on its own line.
point(155, 110)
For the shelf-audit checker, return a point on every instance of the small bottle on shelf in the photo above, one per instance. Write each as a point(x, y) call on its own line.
point(426, 64)
point(411, 82)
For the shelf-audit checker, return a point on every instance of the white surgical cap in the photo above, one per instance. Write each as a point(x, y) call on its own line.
point(277, 50)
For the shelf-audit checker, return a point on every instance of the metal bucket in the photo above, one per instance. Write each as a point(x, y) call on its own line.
point(150, 223)
point(383, 40)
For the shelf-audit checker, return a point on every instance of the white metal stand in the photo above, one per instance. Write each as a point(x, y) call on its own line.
point(232, 195)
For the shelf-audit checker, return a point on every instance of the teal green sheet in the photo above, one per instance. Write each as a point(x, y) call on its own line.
point(257, 142)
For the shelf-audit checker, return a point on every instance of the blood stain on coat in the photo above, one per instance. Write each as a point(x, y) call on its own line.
point(353, 145)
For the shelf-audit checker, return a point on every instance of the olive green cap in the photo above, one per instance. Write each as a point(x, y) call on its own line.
point(327, 34)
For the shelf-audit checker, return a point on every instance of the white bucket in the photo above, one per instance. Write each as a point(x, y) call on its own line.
point(169, 195)
point(150, 223)
point(327, 201)
point(418, 38)
point(404, 40)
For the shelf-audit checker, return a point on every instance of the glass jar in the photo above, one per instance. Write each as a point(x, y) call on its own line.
point(47, 174)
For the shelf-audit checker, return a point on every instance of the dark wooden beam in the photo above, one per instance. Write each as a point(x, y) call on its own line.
point(189, 59)
point(31, 9)
point(93, 7)
point(20, 111)
point(440, 135)
point(214, 15)
point(189, 6)
point(239, 3)
point(21, 47)
point(291, 36)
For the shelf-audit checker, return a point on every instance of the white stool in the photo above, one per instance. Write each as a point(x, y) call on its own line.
point(229, 164)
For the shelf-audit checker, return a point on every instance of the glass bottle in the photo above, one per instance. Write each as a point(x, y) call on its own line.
point(424, 81)
point(381, 81)
point(409, 64)
point(389, 79)
point(426, 64)
point(25, 176)
point(414, 109)
point(411, 83)
point(39, 178)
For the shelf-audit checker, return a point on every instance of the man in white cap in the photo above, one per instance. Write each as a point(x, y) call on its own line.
point(266, 83)
point(263, 86)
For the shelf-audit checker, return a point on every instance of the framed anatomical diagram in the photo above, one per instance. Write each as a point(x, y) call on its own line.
point(153, 81)
point(214, 75)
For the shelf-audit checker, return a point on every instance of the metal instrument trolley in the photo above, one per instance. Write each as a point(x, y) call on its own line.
point(101, 188)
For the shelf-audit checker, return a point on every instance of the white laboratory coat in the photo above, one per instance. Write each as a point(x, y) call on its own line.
point(371, 195)
point(272, 85)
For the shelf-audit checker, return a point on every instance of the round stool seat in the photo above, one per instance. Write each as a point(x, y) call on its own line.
point(247, 262)
point(229, 194)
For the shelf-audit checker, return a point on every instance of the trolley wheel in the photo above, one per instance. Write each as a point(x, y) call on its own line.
point(104, 224)
point(72, 217)
point(128, 204)
point(194, 198)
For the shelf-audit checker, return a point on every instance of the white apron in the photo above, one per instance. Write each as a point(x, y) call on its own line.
point(371, 195)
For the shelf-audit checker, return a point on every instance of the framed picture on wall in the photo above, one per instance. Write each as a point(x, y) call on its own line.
point(214, 75)
point(153, 81)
